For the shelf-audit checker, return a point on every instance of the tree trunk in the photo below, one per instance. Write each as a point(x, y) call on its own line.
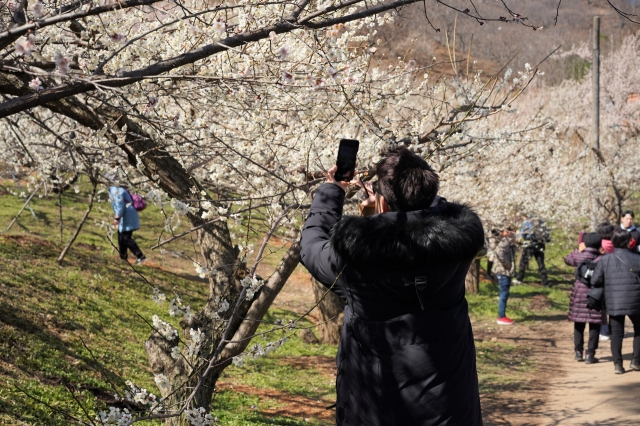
point(472, 280)
point(216, 248)
point(331, 310)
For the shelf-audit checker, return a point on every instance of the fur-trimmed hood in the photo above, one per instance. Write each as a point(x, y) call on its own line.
point(448, 233)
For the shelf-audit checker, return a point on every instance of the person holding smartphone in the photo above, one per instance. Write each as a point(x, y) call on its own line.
point(406, 354)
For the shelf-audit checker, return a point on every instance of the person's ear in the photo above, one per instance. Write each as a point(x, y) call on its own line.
point(383, 204)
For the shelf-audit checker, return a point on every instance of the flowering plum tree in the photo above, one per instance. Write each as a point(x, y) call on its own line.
point(227, 114)
point(548, 165)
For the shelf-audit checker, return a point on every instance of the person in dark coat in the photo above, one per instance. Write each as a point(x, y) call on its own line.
point(578, 311)
point(618, 274)
point(406, 354)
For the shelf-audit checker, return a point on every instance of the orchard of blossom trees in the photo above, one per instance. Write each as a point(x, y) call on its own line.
point(217, 111)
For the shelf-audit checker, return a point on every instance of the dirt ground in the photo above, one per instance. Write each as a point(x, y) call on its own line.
point(560, 391)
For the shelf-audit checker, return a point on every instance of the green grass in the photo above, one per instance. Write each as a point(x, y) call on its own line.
point(48, 311)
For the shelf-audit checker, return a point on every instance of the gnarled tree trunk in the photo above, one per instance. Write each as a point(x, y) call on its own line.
point(331, 309)
point(216, 248)
point(472, 280)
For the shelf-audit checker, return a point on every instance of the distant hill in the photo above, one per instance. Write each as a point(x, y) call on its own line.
point(494, 43)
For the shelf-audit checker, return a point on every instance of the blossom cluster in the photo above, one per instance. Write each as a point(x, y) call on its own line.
point(252, 285)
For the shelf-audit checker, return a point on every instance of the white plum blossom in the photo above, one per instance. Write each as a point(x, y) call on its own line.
point(24, 45)
point(224, 305)
point(164, 328)
point(219, 26)
point(202, 271)
point(115, 416)
point(162, 381)
point(158, 197)
point(116, 37)
point(283, 52)
point(180, 207)
point(62, 64)
point(175, 352)
point(252, 285)
point(158, 296)
point(36, 8)
point(36, 84)
point(196, 341)
point(187, 315)
point(139, 395)
point(199, 417)
point(288, 77)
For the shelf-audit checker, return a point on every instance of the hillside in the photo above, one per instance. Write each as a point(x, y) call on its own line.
point(492, 45)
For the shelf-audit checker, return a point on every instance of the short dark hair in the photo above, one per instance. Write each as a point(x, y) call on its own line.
point(628, 212)
point(605, 229)
point(621, 238)
point(406, 181)
point(592, 240)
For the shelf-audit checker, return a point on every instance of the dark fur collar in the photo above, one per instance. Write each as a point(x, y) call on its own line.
point(448, 233)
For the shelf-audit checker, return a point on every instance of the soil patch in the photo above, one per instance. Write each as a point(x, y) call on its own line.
point(324, 365)
point(288, 405)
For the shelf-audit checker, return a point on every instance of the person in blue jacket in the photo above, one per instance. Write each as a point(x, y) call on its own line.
point(127, 220)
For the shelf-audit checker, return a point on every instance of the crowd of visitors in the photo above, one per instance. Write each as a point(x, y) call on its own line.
point(606, 288)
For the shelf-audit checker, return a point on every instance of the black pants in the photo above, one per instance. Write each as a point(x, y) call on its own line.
point(125, 241)
point(617, 332)
point(578, 337)
point(536, 251)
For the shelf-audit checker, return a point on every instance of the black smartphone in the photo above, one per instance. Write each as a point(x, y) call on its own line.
point(347, 154)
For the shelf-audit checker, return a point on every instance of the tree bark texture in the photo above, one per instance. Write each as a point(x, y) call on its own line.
point(472, 280)
point(331, 310)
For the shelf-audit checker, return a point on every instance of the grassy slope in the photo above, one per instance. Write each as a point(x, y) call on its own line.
point(46, 310)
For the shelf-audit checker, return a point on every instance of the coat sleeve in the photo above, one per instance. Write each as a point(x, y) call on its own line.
point(316, 253)
point(597, 279)
point(571, 259)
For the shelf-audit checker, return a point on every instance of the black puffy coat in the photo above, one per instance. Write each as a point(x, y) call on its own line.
point(406, 354)
point(621, 285)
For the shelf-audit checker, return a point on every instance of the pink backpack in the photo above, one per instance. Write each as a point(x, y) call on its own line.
point(137, 202)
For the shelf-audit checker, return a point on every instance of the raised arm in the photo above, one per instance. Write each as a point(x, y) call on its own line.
point(316, 253)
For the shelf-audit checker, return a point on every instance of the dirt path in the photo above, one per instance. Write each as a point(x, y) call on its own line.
point(592, 394)
point(566, 392)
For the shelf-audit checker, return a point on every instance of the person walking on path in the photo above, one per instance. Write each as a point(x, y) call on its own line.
point(534, 235)
point(626, 223)
point(618, 274)
point(578, 311)
point(406, 354)
point(127, 220)
point(503, 257)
